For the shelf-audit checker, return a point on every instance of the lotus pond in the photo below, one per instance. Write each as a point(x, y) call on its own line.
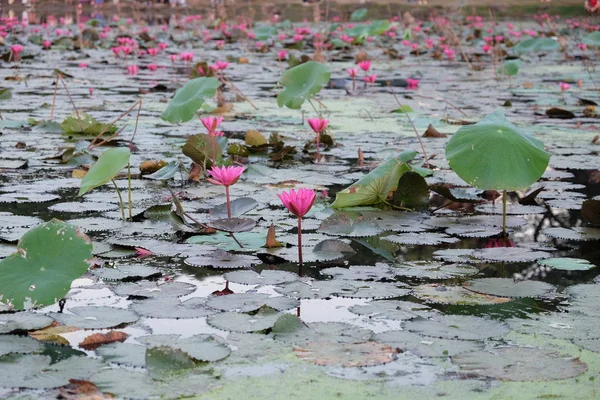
point(348, 209)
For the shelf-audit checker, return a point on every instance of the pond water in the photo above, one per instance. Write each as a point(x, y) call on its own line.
point(433, 301)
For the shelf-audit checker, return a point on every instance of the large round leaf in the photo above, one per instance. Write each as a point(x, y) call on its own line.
point(110, 163)
point(494, 154)
point(49, 257)
point(189, 99)
point(301, 83)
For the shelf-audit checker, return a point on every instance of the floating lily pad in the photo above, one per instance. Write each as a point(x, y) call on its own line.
point(290, 329)
point(222, 259)
point(393, 309)
point(264, 319)
point(246, 302)
point(126, 272)
point(239, 207)
point(521, 364)
point(37, 372)
point(421, 238)
point(427, 347)
point(127, 354)
point(574, 325)
point(317, 289)
point(96, 224)
point(510, 254)
point(511, 209)
point(8, 220)
point(233, 224)
point(172, 307)
point(377, 272)
point(460, 327)
point(81, 207)
point(576, 233)
point(567, 264)
point(377, 290)
point(458, 295)
point(266, 277)
point(91, 317)
point(154, 290)
point(23, 321)
point(344, 224)
point(505, 287)
point(199, 347)
point(457, 255)
point(433, 270)
point(18, 344)
point(474, 231)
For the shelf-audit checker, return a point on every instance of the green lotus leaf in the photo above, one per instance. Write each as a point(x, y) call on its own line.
point(189, 99)
point(49, 257)
point(109, 164)
point(494, 154)
point(301, 83)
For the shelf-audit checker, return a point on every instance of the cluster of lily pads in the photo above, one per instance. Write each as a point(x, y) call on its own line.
point(153, 261)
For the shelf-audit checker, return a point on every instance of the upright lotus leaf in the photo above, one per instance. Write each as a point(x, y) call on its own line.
point(110, 163)
point(189, 99)
point(494, 154)
point(5, 93)
point(301, 83)
point(359, 15)
point(49, 257)
point(375, 187)
point(510, 68)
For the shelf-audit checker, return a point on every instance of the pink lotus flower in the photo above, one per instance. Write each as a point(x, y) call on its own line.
point(582, 46)
point(174, 57)
point(141, 253)
point(281, 37)
point(564, 86)
point(221, 65)
point(116, 50)
point(186, 56)
point(103, 35)
point(282, 55)
point(91, 91)
point(153, 51)
point(59, 32)
point(214, 134)
point(406, 43)
point(297, 38)
point(298, 203)
point(83, 65)
point(162, 46)
point(132, 69)
point(352, 72)
point(211, 123)
point(225, 176)
point(429, 42)
point(449, 53)
point(371, 78)
point(152, 67)
point(127, 49)
point(47, 44)
point(251, 35)
point(201, 70)
point(259, 45)
point(318, 125)
point(412, 83)
point(220, 43)
point(498, 38)
point(414, 46)
point(16, 50)
point(365, 65)
point(486, 48)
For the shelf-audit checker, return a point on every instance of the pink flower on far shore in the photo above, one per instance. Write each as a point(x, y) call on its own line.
point(83, 65)
point(365, 65)
point(225, 176)
point(298, 203)
point(211, 123)
point(152, 67)
point(582, 46)
point(47, 44)
point(221, 65)
point(352, 72)
point(16, 50)
point(153, 51)
point(412, 83)
point(186, 56)
point(282, 55)
point(371, 78)
point(564, 86)
point(174, 57)
point(132, 69)
point(162, 46)
point(318, 125)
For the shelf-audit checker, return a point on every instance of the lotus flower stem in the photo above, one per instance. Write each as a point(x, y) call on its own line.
point(120, 200)
point(300, 241)
point(228, 202)
point(504, 213)
point(54, 98)
point(129, 191)
point(72, 102)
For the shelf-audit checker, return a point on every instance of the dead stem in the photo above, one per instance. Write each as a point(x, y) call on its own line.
point(441, 99)
point(72, 102)
point(413, 126)
point(227, 81)
point(93, 143)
